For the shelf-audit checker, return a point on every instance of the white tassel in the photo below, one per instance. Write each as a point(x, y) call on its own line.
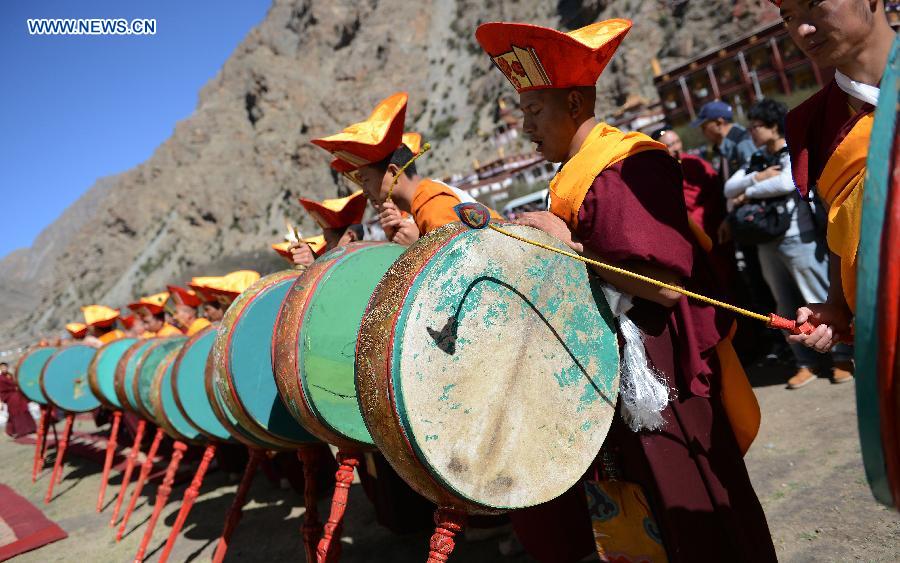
point(643, 390)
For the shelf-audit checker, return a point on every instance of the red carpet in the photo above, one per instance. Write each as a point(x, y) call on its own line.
point(22, 526)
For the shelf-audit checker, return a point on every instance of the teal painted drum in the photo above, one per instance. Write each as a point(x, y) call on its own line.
point(146, 371)
point(188, 387)
point(64, 379)
point(102, 371)
point(126, 370)
point(28, 372)
point(243, 372)
point(162, 401)
point(487, 369)
point(315, 340)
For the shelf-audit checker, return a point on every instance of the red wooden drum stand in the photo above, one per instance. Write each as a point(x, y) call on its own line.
point(142, 479)
point(39, 446)
point(56, 476)
point(110, 454)
point(188, 501)
point(162, 497)
point(129, 467)
point(447, 523)
point(237, 507)
point(347, 462)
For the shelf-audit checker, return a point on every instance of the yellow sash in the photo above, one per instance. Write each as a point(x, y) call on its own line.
point(841, 188)
point(111, 336)
point(198, 325)
point(604, 146)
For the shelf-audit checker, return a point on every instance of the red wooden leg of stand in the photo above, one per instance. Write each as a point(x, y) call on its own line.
point(234, 513)
point(139, 486)
point(162, 497)
point(189, 497)
point(129, 467)
point(347, 462)
point(110, 454)
point(312, 526)
point(448, 522)
point(39, 446)
point(60, 454)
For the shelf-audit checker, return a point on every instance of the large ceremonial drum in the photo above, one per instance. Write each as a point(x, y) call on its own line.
point(126, 371)
point(102, 371)
point(28, 372)
point(162, 403)
point(146, 371)
point(189, 387)
point(877, 322)
point(64, 379)
point(242, 373)
point(315, 339)
point(487, 369)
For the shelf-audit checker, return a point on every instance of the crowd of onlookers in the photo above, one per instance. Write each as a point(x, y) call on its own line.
point(768, 242)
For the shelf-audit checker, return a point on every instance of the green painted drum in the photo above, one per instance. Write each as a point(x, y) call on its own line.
point(876, 406)
point(243, 372)
point(64, 379)
point(126, 370)
point(487, 369)
point(102, 371)
point(162, 400)
point(146, 371)
point(189, 388)
point(28, 372)
point(316, 336)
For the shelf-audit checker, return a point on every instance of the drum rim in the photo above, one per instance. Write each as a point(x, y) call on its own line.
point(138, 347)
point(178, 402)
point(156, 402)
point(145, 410)
point(58, 352)
point(286, 344)
point(223, 379)
point(93, 379)
point(31, 350)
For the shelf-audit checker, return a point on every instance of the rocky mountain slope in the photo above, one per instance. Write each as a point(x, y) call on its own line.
point(219, 189)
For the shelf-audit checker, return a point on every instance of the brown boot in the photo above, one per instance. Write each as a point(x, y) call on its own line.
point(842, 372)
point(803, 377)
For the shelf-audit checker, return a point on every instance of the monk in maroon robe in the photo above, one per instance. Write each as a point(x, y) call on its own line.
point(20, 422)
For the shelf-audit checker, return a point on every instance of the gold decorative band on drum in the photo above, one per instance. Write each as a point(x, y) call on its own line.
point(487, 371)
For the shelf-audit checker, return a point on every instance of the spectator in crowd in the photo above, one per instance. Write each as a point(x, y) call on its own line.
point(732, 146)
point(794, 264)
point(20, 422)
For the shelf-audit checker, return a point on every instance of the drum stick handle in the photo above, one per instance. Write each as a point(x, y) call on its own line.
point(425, 148)
point(791, 326)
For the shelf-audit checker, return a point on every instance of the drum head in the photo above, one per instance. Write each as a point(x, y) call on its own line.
point(64, 379)
point(316, 338)
point(488, 369)
point(146, 371)
point(102, 371)
point(28, 373)
point(126, 370)
point(189, 389)
point(163, 402)
point(244, 374)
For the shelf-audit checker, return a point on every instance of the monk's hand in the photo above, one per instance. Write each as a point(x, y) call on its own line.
point(769, 172)
point(407, 233)
point(301, 254)
point(390, 218)
point(832, 322)
point(550, 224)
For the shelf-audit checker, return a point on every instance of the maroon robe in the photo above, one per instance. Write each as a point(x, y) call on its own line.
point(691, 470)
point(20, 422)
point(703, 194)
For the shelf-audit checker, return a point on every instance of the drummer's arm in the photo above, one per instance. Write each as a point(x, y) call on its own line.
point(638, 288)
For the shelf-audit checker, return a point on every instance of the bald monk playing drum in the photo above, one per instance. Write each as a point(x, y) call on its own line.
point(828, 137)
point(618, 198)
point(373, 154)
point(186, 302)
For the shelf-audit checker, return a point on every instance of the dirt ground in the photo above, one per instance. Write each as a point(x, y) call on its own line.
point(805, 465)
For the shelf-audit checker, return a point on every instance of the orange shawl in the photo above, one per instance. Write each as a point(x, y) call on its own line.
point(841, 188)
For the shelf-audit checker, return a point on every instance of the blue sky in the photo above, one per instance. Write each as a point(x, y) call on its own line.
point(77, 108)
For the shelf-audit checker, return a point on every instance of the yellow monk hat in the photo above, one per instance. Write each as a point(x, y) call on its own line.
point(337, 213)
point(77, 330)
point(535, 58)
point(225, 289)
point(99, 315)
point(413, 141)
point(182, 296)
point(371, 140)
point(153, 304)
point(316, 244)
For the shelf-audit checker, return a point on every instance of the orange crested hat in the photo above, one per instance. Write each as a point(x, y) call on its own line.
point(413, 141)
point(316, 244)
point(182, 296)
point(535, 58)
point(337, 213)
point(77, 330)
point(99, 315)
point(371, 140)
point(153, 304)
point(224, 289)
point(128, 321)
